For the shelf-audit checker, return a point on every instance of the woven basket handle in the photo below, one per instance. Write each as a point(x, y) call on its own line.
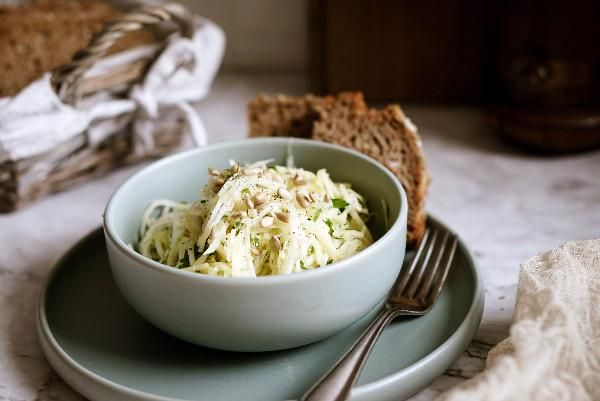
point(67, 78)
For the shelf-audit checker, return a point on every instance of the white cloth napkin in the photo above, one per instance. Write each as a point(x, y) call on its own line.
point(553, 352)
point(35, 120)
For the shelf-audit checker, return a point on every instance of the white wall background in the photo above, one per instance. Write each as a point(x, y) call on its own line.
point(262, 35)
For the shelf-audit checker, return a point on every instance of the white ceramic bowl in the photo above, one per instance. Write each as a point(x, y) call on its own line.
point(262, 313)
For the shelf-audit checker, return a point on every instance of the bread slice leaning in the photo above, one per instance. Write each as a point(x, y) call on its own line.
point(389, 137)
point(386, 135)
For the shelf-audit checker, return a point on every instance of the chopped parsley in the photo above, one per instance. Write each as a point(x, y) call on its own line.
point(237, 226)
point(316, 216)
point(339, 203)
point(183, 262)
point(302, 266)
point(330, 225)
point(254, 241)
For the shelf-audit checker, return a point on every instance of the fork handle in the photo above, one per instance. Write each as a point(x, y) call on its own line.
point(336, 384)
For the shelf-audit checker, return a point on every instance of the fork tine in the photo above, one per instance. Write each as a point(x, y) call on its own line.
point(430, 271)
point(406, 273)
point(439, 283)
point(416, 277)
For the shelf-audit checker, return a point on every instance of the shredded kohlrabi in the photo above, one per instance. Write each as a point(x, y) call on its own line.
point(258, 220)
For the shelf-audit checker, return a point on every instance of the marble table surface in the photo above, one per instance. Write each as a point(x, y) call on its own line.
point(507, 206)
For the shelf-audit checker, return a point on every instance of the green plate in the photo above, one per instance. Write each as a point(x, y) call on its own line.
point(105, 351)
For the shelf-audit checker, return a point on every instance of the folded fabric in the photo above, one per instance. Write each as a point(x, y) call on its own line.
point(36, 120)
point(553, 352)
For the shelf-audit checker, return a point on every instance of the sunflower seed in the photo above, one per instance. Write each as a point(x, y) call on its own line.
point(251, 171)
point(259, 198)
point(285, 217)
point(249, 202)
point(214, 172)
point(276, 243)
point(299, 180)
point(302, 200)
point(315, 197)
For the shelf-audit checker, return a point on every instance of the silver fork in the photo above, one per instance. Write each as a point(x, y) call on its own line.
point(414, 293)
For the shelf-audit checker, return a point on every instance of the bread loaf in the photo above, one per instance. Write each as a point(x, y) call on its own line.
point(41, 35)
point(386, 135)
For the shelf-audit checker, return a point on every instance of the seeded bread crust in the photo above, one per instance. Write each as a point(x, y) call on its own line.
point(41, 35)
point(386, 135)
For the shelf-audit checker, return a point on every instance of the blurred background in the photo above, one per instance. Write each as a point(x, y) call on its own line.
point(533, 64)
point(262, 35)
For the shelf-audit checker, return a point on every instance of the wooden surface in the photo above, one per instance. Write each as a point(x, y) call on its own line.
point(399, 50)
point(519, 52)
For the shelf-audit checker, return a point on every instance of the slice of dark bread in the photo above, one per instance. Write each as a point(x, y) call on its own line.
point(294, 116)
point(389, 137)
point(386, 135)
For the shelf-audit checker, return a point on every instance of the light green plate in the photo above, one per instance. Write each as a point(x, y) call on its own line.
point(105, 351)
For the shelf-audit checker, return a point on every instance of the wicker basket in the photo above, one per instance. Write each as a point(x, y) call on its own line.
point(23, 181)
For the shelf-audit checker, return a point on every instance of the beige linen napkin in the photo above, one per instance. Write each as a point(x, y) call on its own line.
point(553, 352)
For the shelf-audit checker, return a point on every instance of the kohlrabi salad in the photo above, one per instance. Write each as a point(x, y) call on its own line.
point(258, 220)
